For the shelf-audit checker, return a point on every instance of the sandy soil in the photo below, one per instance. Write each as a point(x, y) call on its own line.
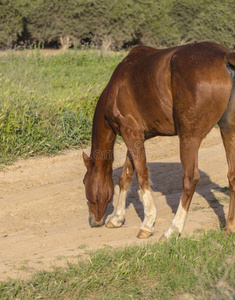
point(44, 212)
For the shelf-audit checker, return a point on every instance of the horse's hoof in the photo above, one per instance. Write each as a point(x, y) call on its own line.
point(109, 224)
point(228, 231)
point(163, 238)
point(143, 234)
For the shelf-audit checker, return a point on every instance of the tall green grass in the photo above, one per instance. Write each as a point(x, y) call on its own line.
point(201, 267)
point(47, 102)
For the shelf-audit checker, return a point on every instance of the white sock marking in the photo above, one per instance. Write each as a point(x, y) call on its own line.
point(119, 216)
point(178, 221)
point(150, 211)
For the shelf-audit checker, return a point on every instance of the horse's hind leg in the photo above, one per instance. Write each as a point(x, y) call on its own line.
point(189, 159)
point(124, 183)
point(228, 136)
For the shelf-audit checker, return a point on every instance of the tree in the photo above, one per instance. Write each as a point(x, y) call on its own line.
point(11, 25)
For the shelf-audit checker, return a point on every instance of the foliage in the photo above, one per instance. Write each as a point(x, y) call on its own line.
point(10, 23)
point(205, 20)
point(201, 267)
point(115, 24)
point(47, 102)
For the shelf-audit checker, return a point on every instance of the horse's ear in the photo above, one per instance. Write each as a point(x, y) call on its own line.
point(86, 159)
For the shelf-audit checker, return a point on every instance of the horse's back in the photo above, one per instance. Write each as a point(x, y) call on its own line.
point(139, 92)
point(153, 90)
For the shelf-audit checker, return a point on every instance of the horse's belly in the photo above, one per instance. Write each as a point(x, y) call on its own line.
point(160, 127)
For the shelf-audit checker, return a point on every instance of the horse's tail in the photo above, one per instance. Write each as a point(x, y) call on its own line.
point(230, 64)
point(229, 61)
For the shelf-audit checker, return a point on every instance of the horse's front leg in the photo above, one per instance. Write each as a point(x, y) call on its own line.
point(135, 143)
point(125, 180)
point(189, 159)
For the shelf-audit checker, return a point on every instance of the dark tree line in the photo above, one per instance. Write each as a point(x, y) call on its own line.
point(115, 24)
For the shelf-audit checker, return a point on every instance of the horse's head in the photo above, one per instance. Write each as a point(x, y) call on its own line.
point(99, 188)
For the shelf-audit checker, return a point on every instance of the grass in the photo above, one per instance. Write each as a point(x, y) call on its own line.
point(47, 105)
point(47, 102)
point(220, 199)
point(202, 267)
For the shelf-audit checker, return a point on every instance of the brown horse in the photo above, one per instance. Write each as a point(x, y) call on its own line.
point(182, 91)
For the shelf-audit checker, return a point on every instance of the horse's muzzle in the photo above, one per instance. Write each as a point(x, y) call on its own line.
point(94, 223)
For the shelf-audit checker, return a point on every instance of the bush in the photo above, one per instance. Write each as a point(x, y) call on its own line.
point(11, 25)
point(115, 24)
point(47, 102)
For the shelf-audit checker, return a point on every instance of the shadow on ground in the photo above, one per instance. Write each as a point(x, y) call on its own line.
point(166, 178)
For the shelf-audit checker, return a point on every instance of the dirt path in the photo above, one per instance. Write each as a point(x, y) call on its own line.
point(44, 213)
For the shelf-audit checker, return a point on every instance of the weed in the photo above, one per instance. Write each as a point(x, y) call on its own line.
point(197, 206)
point(201, 266)
point(83, 246)
point(47, 102)
point(60, 257)
point(222, 199)
point(225, 189)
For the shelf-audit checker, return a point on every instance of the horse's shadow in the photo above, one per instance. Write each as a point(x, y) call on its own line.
point(167, 179)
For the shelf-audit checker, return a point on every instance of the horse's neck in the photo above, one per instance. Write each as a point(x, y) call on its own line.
point(103, 137)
